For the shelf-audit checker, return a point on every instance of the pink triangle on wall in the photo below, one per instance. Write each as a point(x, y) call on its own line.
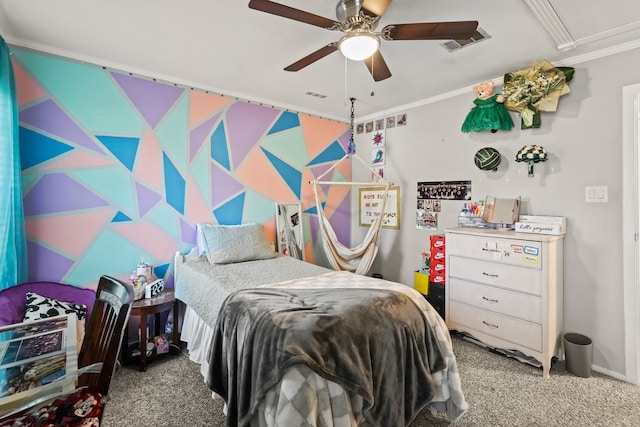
point(27, 89)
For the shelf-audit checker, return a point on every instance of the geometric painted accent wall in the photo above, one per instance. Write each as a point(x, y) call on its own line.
point(118, 168)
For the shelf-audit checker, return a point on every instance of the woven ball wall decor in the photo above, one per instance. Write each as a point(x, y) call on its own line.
point(487, 158)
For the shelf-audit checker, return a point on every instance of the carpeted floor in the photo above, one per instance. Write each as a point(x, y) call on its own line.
point(500, 392)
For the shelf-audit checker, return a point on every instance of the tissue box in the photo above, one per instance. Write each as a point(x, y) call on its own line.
point(537, 224)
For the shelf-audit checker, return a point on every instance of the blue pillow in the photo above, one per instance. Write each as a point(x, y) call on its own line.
point(226, 244)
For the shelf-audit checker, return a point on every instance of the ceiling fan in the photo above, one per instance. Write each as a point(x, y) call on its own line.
point(358, 19)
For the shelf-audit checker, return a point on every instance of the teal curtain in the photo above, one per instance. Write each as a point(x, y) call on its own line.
point(13, 242)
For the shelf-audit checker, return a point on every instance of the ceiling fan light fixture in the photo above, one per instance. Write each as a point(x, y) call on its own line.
point(359, 45)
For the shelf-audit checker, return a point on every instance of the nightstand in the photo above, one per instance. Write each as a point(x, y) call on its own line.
point(165, 301)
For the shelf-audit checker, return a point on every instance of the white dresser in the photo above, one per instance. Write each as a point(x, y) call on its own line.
point(505, 289)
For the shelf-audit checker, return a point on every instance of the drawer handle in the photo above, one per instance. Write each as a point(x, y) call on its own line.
point(489, 274)
point(489, 299)
point(490, 250)
point(490, 325)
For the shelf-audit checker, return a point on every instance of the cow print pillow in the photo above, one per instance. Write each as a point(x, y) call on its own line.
point(39, 307)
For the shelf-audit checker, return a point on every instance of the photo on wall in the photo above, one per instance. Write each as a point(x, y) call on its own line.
point(368, 127)
point(378, 174)
point(379, 139)
point(444, 190)
point(391, 122)
point(426, 220)
point(378, 157)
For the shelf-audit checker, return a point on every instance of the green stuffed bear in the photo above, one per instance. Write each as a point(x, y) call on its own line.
point(489, 112)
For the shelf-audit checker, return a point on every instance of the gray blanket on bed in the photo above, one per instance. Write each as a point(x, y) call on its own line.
point(372, 342)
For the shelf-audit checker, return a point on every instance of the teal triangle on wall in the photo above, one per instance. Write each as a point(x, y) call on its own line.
point(124, 148)
point(161, 270)
point(174, 185)
point(290, 175)
point(36, 148)
point(287, 120)
point(231, 212)
point(219, 149)
point(332, 153)
point(289, 146)
point(120, 217)
point(313, 210)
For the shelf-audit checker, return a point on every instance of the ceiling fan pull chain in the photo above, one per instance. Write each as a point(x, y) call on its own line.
point(351, 149)
point(373, 74)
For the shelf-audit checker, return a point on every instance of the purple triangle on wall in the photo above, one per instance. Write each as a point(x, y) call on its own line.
point(199, 135)
point(244, 133)
point(46, 265)
point(48, 117)
point(318, 171)
point(147, 199)
point(223, 185)
point(340, 221)
point(152, 99)
point(57, 192)
point(187, 232)
point(314, 226)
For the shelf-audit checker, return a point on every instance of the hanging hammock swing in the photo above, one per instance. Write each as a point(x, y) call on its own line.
point(358, 259)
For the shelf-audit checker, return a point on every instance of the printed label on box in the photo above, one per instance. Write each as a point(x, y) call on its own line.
point(537, 228)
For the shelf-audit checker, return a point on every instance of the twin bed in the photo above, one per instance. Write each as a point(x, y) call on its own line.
point(286, 342)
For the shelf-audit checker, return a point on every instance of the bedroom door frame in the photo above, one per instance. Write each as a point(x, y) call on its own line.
point(630, 227)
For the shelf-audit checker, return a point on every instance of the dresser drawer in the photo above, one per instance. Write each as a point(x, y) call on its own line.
point(507, 328)
point(495, 274)
point(524, 253)
point(522, 306)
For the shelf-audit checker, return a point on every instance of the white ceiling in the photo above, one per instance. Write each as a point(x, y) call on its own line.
point(225, 47)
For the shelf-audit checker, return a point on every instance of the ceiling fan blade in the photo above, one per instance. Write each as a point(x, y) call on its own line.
point(375, 7)
point(377, 67)
point(313, 57)
point(430, 31)
point(295, 14)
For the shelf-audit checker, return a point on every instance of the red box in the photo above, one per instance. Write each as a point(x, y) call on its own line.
point(438, 254)
point(439, 277)
point(438, 265)
point(437, 241)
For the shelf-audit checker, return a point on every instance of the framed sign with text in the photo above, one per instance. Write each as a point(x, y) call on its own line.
point(370, 204)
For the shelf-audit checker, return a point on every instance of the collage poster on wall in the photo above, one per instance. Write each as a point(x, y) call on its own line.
point(430, 196)
point(444, 190)
point(427, 214)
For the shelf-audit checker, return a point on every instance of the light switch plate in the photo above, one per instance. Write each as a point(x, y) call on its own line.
point(596, 194)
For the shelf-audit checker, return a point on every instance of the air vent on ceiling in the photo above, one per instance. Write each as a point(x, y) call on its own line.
point(317, 95)
point(453, 45)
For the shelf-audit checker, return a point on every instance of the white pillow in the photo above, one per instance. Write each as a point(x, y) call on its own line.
point(40, 307)
point(236, 243)
point(200, 245)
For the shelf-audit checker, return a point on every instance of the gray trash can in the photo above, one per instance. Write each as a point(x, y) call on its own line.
point(577, 354)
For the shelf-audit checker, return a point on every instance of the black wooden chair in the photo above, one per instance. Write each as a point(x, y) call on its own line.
point(101, 345)
point(96, 361)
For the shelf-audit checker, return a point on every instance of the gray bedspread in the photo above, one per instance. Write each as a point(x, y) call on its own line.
point(204, 286)
point(373, 342)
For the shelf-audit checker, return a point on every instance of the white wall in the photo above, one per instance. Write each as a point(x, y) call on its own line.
point(584, 142)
